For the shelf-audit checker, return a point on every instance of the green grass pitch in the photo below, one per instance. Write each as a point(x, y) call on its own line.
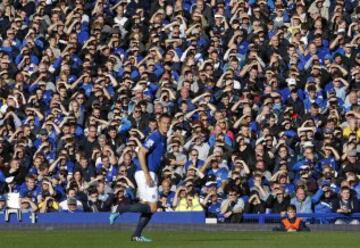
point(121, 239)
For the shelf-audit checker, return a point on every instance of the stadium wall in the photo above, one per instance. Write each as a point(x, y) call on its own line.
point(103, 218)
point(158, 218)
point(171, 221)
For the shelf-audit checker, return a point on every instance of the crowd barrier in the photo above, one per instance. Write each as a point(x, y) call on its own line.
point(158, 218)
point(103, 218)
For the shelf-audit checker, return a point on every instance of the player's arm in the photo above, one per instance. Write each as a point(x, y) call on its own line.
point(142, 159)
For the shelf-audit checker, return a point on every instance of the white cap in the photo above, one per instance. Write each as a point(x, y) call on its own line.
point(9, 179)
point(308, 144)
point(291, 81)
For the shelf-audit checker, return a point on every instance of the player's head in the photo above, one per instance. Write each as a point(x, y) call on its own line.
point(291, 211)
point(164, 123)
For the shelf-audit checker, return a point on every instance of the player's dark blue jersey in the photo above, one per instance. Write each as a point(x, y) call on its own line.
point(156, 145)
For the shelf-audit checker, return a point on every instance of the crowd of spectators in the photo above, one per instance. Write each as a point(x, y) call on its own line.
point(264, 96)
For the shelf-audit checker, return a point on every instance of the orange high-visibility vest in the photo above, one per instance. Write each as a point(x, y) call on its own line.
point(288, 225)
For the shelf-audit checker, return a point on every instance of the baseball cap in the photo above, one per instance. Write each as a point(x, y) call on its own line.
point(308, 144)
point(2, 198)
point(9, 179)
point(71, 201)
point(210, 184)
point(291, 81)
point(310, 80)
point(328, 57)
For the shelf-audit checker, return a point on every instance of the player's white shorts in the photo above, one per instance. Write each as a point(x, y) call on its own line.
point(144, 192)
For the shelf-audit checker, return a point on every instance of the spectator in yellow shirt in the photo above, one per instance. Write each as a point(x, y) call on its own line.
point(49, 204)
point(183, 201)
point(353, 126)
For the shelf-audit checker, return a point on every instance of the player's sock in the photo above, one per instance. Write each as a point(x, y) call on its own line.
point(135, 208)
point(143, 221)
point(113, 217)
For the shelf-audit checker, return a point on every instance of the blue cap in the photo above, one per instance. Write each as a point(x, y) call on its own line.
point(332, 91)
point(328, 57)
point(310, 79)
point(2, 198)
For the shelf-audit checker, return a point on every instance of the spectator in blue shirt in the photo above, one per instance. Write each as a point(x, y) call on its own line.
point(301, 201)
point(30, 189)
point(212, 167)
